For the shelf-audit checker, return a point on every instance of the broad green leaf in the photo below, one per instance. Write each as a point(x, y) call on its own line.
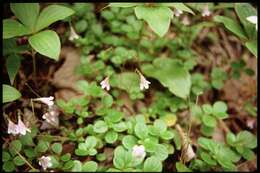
point(150, 146)
point(252, 47)
point(10, 93)
point(52, 14)
point(123, 5)
point(179, 6)
point(27, 13)
point(100, 126)
point(152, 164)
point(80, 152)
point(13, 63)
point(12, 28)
point(167, 135)
point(231, 25)
point(30, 153)
point(89, 166)
point(119, 127)
point(27, 139)
point(141, 130)
point(46, 43)
point(243, 11)
point(57, 148)
point(171, 74)
point(129, 141)
point(157, 17)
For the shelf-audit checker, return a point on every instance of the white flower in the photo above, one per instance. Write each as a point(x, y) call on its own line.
point(12, 128)
point(252, 19)
point(186, 20)
point(143, 82)
point(21, 128)
point(105, 84)
point(73, 34)
point(205, 11)
point(46, 100)
point(138, 152)
point(177, 12)
point(45, 162)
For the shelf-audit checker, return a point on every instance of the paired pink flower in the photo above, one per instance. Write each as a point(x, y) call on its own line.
point(144, 84)
point(46, 100)
point(73, 34)
point(105, 84)
point(177, 12)
point(19, 128)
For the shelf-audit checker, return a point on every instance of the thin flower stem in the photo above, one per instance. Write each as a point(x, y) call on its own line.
point(24, 159)
point(62, 138)
point(32, 90)
point(32, 107)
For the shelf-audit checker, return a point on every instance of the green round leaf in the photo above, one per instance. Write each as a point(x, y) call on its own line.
point(152, 164)
point(57, 148)
point(160, 125)
point(30, 153)
point(119, 127)
point(161, 152)
point(207, 108)
point(129, 141)
point(9, 166)
point(68, 165)
point(42, 146)
point(107, 101)
point(18, 161)
point(66, 157)
point(15, 146)
point(111, 137)
point(90, 166)
point(122, 158)
point(5, 156)
point(91, 141)
point(77, 167)
point(209, 120)
point(100, 126)
point(46, 43)
point(141, 130)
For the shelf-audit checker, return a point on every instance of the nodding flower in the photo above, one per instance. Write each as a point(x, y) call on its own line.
point(73, 34)
point(144, 84)
point(46, 100)
point(45, 162)
point(12, 128)
point(252, 19)
point(105, 83)
point(16, 129)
